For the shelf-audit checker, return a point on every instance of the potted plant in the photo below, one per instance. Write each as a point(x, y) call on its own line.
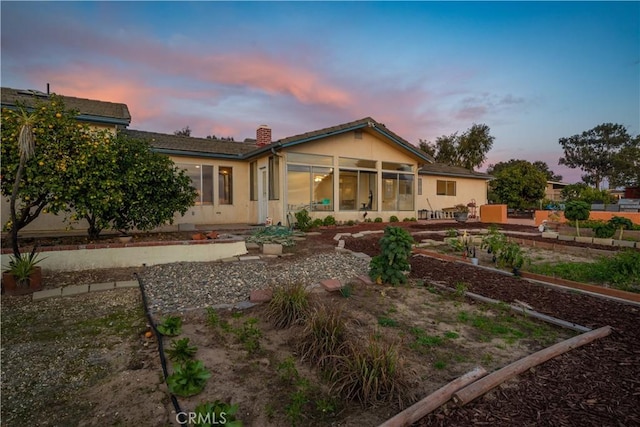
point(23, 274)
point(461, 213)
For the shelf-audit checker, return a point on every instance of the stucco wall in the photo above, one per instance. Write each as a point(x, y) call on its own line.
point(467, 189)
point(594, 215)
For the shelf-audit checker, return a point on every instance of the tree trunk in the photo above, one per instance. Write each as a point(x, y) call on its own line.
point(12, 206)
point(94, 232)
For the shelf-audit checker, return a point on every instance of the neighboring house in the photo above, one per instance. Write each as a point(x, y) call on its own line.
point(553, 191)
point(344, 171)
point(442, 186)
point(97, 114)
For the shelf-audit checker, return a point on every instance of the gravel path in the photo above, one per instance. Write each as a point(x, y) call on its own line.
point(182, 286)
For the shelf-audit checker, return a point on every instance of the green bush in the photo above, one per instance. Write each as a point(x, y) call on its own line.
point(170, 326)
point(181, 351)
point(604, 231)
point(392, 264)
point(317, 223)
point(303, 219)
point(393, 218)
point(351, 222)
point(289, 305)
point(378, 219)
point(188, 378)
point(329, 220)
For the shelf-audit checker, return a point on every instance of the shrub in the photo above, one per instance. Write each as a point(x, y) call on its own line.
point(181, 351)
point(371, 374)
point(289, 305)
point(512, 256)
point(188, 378)
point(393, 218)
point(323, 336)
point(351, 222)
point(329, 220)
point(303, 219)
point(170, 326)
point(604, 230)
point(378, 219)
point(317, 223)
point(393, 262)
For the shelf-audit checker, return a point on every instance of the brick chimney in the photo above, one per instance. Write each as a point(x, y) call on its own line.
point(263, 136)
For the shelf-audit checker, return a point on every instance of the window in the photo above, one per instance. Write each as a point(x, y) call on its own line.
point(310, 188)
point(225, 185)
point(253, 181)
point(419, 186)
point(274, 178)
point(445, 188)
point(358, 190)
point(398, 191)
point(202, 179)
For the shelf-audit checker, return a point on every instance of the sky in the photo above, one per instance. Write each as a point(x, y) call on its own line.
point(533, 72)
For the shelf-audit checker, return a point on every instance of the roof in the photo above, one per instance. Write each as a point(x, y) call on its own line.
point(89, 110)
point(180, 145)
point(455, 171)
point(366, 124)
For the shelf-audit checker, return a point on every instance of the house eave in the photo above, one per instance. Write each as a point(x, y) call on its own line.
point(185, 153)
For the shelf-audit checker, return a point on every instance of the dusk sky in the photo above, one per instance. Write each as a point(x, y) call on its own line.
point(533, 72)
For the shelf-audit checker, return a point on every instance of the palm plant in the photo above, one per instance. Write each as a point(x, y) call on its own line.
point(26, 148)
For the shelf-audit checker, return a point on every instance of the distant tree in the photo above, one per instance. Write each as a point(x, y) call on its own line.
point(627, 166)
point(468, 150)
point(211, 137)
point(584, 193)
point(544, 168)
point(185, 131)
point(517, 183)
point(596, 152)
point(223, 138)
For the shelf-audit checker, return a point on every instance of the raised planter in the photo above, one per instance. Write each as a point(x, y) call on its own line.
point(87, 257)
point(11, 287)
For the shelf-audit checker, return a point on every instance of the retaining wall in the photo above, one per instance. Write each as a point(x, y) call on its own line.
point(594, 215)
point(86, 257)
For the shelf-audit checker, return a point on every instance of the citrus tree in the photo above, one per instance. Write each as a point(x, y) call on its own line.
point(123, 185)
point(38, 149)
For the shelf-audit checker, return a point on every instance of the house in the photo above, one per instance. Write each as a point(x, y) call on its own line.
point(553, 190)
point(342, 171)
point(441, 186)
point(97, 114)
point(349, 171)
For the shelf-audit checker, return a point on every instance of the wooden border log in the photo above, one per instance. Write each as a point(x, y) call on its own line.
point(494, 379)
point(434, 400)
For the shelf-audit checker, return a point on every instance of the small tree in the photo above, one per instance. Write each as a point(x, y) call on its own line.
point(134, 187)
point(577, 211)
point(39, 147)
point(393, 262)
point(621, 224)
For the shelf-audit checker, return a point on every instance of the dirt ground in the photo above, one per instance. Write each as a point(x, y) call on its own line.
point(106, 375)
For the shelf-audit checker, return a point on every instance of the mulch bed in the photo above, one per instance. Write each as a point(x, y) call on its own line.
point(594, 385)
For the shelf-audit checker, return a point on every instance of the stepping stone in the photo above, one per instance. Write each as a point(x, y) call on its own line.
point(272, 249)
point(244, 305)
point(261, 295)
point(340, 235)
point(341, 243)
point(252, 245)
point(249, 258)
point(331, 285)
